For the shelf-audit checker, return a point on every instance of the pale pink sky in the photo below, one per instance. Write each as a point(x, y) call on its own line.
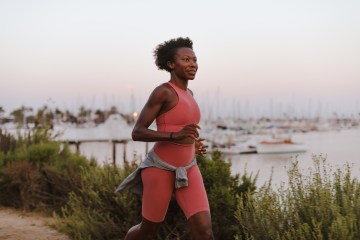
point(301, 57)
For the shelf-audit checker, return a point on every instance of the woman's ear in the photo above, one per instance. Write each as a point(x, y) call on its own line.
point(171, 65)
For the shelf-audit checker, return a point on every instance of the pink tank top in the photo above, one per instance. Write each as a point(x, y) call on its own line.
point(185, 112)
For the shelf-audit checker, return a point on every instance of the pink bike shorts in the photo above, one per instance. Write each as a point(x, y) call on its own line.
point(159, 188)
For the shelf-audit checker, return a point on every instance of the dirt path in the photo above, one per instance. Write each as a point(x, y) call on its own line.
point(16, 225)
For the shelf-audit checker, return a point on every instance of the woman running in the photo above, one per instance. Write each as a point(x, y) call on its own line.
point(170, 167)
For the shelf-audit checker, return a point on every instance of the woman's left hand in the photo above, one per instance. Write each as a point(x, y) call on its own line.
point(200, 148)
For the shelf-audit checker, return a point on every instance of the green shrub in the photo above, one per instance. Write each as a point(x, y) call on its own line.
point(224, 192)
point(321, 205)
point(7, 142)
point(40, 176)
point(95, 212)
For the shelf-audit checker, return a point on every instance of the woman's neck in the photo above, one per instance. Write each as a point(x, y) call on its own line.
point(179, 82)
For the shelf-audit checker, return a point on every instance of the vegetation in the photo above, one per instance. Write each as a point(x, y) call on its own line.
point(324, 204)
point(224, 192)
point(38, 174)
point(46, 117)
point(97, 212)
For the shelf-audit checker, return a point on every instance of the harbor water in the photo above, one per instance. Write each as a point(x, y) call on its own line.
point(339, 148)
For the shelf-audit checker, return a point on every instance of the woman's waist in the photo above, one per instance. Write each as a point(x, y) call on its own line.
point(175, 154)
point(175, 128)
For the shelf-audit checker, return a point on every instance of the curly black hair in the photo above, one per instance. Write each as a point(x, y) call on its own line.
point(166, 51)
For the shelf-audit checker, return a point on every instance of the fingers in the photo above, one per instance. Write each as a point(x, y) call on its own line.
point(199, 143)
point(201, 150)
point(191, 130)
point(194, 125)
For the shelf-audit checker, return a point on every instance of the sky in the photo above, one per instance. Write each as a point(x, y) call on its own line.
point(256, 58)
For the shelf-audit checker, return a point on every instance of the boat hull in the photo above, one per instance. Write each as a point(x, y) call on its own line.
point(274, 148)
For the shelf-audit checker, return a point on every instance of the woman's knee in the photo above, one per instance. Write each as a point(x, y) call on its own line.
point(133, 232)
point(201, 226)
point(204, 233)
point(145, 230)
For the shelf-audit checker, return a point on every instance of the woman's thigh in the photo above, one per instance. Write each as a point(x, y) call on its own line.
point(158, 189)
point(193, 198)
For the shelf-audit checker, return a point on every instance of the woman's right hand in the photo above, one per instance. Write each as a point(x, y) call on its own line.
point(200, 148)
point(187, 134)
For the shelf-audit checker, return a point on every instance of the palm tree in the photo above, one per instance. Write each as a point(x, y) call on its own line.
point(70, 117)
point(59, 115)
point(99, 116)
point(83, 114)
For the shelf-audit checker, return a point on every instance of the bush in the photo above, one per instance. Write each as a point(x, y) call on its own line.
point(224, 192)
point(96, 212)
point(321, 205)
point(39, 174)
point(7, 142)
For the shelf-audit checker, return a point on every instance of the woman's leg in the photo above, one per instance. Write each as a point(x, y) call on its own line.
point(146, 230)
point(201, 228)
point(194, 202)
point(158, 187)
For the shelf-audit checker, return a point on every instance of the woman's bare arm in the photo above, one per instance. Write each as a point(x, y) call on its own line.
point(151, 110)
point(159, 100)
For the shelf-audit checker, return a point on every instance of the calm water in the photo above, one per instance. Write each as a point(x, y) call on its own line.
point(339, 147)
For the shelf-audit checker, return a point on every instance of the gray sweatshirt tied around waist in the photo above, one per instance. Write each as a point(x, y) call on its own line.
point(133, 182)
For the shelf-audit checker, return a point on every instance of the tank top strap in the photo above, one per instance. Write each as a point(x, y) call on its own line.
point(177, 89)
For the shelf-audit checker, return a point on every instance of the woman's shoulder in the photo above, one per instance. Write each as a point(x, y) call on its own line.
point(190, 91)
point(163, 90)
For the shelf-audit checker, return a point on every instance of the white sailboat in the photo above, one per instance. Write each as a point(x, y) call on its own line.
point(280, 146)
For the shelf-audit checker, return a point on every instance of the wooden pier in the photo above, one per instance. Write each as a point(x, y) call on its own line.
point(114, 142)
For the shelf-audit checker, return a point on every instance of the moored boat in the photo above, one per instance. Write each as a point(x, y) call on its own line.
point(280, 146)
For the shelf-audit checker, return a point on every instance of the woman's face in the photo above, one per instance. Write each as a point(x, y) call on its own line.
point(185, 63)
